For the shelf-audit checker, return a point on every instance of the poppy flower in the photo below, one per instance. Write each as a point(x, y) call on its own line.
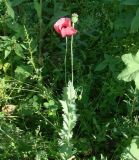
point(64, 28)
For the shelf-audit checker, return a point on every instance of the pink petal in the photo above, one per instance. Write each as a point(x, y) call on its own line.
point(69, 31)
point(62, 22)
point(67, 22)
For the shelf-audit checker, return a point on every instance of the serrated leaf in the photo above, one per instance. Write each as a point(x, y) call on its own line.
point(131, 72)
point(69, 121)
point(132, 151)
point(64, 106)
point(135, 22)
point(10, 10)
point(69, 92)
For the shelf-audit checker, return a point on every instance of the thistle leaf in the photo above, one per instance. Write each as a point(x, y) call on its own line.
point(131, 72)
point(69, 121)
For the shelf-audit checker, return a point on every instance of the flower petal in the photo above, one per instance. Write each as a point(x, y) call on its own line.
point(62, 22)
point(69, 31)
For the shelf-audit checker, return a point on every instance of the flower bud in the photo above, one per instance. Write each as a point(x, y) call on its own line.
point(74, 18)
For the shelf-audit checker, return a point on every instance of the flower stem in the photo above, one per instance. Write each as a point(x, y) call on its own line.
point(72, 57)
point(65, 61)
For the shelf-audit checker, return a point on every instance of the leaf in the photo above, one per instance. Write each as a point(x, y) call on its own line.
point(123, 22)
point(4, 38)
point(16, 2)
point(109, 61)
point(69, 121)
point(16, 27)
point(41, 155)
point(64, 106)
point(101, 66)
point(130, 2)
point(9, 9)
point(1, 64)
point(22, 72)
point(6, 67)
point(135, 22)
point(7, 52)
point(69, 92)
point(37, 7)
point(18, 50)
point(131, 72)
point(132, 151)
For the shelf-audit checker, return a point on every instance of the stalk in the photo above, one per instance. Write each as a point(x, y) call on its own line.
point(40, 33)
point(29, 41)
point(65, 61)
point(72, 75)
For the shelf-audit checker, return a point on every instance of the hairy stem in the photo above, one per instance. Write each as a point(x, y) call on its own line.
point(65, 61)
point(72, 59)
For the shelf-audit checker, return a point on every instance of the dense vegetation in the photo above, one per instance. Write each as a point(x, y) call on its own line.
point(32, 80)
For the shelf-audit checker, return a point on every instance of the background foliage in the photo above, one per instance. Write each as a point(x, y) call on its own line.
point(32, 78)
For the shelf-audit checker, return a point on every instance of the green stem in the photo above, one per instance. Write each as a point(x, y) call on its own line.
point(31, 55)
point(40, 30)
point(65, 61)
point(29, 41)
point(72, 59)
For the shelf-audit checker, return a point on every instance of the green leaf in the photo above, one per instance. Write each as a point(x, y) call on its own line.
point(109, 61)
point(7, 52)
point(4, 38)
point(50, 105)
point(132, 151)
point(41, 155)
point(9, 9)
point(1, 64)
point(101, 66)
point(131, 72)
point(135, 23)
point(18, 28)
point(16, 2)
point(18, 50)
point(22, 72)
point(37, 7)
point(69, 92)
point(69, 121)
point(64, 106)
point(6, 67)
point(130, 2)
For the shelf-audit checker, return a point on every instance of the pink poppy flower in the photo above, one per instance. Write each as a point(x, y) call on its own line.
point(64, 28)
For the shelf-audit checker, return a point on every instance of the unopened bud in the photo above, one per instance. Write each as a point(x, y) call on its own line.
point(74, 18)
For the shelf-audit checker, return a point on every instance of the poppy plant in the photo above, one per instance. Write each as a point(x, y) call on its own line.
point(64, 28)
